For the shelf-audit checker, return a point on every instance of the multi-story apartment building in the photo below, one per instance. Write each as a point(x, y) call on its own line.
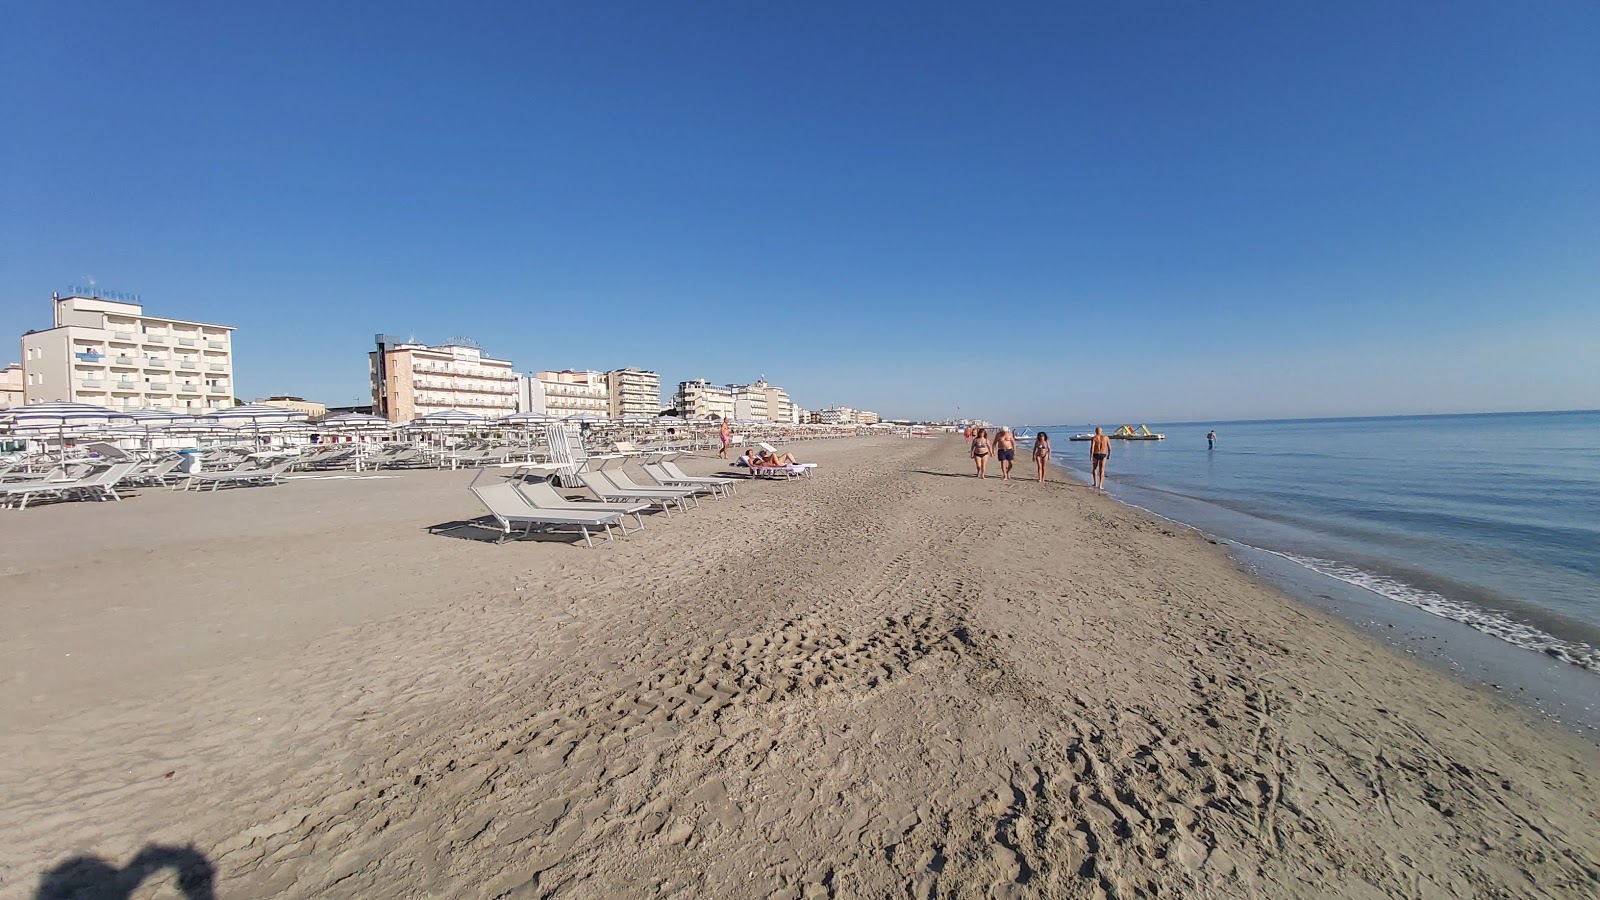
point(411, 380)
point(11, 386)
point(837, 415)
point(110, 353)
point(779, 407)
point(750, 402)
point(633, 392)
point(867, 417)
point(569, 393)
point(700, 399)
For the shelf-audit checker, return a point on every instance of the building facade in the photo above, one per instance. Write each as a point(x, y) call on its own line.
point(837, 415)
point(311, 408)
point(411, 380)
point(569, 393)
point(110, 353)
point(11, 386)
point(633, 392)
point(700, 399)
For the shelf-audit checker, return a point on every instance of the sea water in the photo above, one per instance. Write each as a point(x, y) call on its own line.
point(1489, 520)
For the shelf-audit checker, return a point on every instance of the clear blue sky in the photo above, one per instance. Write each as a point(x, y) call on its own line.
point(1061, 212)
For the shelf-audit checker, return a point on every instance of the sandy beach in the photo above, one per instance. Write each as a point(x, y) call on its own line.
point(889, 679)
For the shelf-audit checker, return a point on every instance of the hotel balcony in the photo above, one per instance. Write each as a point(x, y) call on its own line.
point(186, 365)
point(153, 363)
point(189, 389)
point(216, 367)
point(93, 384)
point(155, 339)
point(160, 387)
point(90, 356)
point(186, 342)
point(217, 345)
point(122, 336)
point(126, 386)
point(126, 361)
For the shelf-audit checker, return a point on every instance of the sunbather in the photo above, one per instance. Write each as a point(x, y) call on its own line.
point(763, 459)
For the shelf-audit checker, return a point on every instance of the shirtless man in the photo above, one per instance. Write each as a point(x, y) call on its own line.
point(1005, 446)
point(1099, 452)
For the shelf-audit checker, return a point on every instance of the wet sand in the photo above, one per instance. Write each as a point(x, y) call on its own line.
point(890, 679)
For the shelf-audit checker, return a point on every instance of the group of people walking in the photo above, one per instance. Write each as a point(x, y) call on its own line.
point(1004, 448)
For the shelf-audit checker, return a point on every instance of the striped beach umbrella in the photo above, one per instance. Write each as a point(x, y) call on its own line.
point(59, 417)
point(356, 422)
point(524, 419)
point(447, 418)
point(253, 415)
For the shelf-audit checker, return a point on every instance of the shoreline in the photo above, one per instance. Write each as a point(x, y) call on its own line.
point(1553, 686)
point(887, 678)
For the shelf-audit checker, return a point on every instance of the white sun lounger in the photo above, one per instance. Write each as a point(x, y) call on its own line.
point(541, 495)
point(199, 480)
point(616, 476)
point(610, 493)
point(675, 475)
point(100, 484)
point(510, 509)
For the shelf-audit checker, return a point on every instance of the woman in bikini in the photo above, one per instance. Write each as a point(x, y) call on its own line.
point(1041, 452)
point(980, 450)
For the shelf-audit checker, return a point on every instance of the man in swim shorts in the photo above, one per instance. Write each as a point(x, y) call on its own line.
point(1099, 452)
point(1005, 446)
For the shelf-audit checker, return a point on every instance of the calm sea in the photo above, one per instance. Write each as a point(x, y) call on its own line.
point(1489, 520)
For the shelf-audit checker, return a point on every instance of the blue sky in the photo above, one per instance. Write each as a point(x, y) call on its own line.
point(1057, 212)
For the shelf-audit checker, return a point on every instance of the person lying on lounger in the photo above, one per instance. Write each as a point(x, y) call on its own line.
point(764, 460)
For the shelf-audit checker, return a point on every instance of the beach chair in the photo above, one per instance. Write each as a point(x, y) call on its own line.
point(610, 493)
point(509, 509)
point(663, 464)
point(541, 495)
point(238, 478)
point(100, 484)
point(614, 474)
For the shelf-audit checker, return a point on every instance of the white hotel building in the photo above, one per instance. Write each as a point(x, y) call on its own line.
point(411, 380)
point(110, 353)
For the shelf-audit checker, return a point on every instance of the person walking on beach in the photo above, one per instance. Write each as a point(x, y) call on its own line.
point(1005, 447)
point(1099, 452)
point(1041, 452)
point(980, 450)
point(727, 435)
point(1211, 440)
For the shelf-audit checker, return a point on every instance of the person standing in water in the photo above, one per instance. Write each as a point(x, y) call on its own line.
point(1005, 446)
point(1211, 440)
point(1099, 452)
point(980, 450)
point(727, 436)
point(1041, 452)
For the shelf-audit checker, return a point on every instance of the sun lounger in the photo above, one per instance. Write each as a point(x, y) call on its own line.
point(608, 491)
point(675, 475)
point(99, 485)
point(623, 482)
point(784, 472)
point(510, 509)
point(541, 495)
point(238, 478)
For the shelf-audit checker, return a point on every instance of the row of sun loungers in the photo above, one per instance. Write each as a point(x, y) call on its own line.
point(519, 506)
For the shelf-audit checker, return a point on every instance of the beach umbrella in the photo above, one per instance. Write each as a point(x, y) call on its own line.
point(252, 414)
point(447, 418)
point(523, 419)
point(356, 422)
point(40, 419)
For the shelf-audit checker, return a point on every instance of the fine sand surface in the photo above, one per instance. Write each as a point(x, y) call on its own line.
point(891, 679)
